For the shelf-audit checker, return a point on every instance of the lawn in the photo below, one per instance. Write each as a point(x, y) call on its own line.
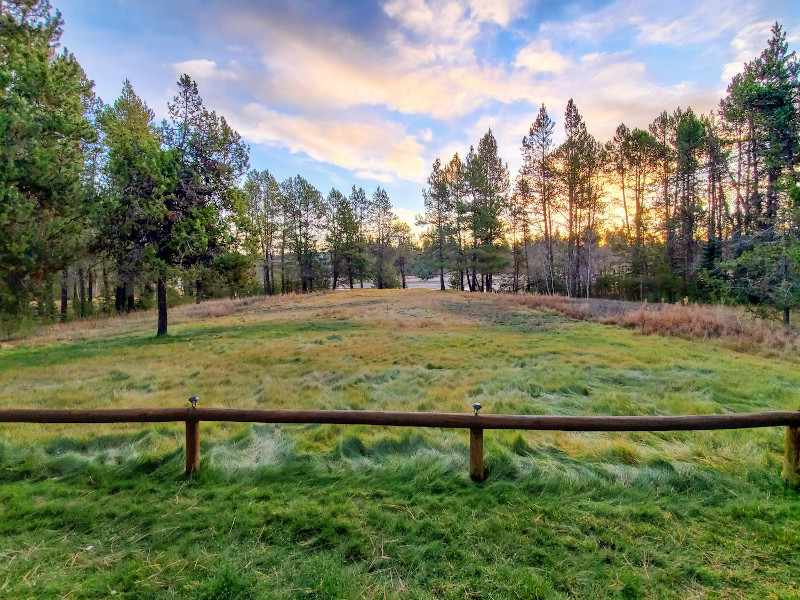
point(367, 512)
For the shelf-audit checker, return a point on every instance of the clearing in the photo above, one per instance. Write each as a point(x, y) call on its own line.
point(310, 511)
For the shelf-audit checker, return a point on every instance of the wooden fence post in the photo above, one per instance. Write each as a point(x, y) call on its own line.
point(192, 446)
point(476, 454)
point(791, 460)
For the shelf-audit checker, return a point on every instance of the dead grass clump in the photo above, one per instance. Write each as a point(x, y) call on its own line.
point(732, 326)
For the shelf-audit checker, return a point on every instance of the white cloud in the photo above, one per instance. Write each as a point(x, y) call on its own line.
point(745, 46)
point(501, 12)
point(675, 23)
point(425, 135)
point(381, 148)
point(410, 218)
point(406, 77)
point(697, 22)
point(374, 175)
point(361, 102)
point(539, 57)
point(451, 23)
point(203, 69)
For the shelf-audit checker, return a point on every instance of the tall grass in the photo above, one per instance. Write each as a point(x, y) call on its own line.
point(733, 327)
point(394, 518)
point(307, 511)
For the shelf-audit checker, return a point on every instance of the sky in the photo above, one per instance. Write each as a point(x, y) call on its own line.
point(370, 93)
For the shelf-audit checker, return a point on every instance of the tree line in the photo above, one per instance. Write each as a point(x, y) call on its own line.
point(306, 242)
point(699, 206)
point(115, 211)
point(101, 199)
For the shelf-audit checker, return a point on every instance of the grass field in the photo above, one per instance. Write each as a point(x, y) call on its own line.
point(367, 512)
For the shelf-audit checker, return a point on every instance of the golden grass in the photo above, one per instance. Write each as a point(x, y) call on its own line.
point(383, 350)
point(733, 327)
point(678, 495)
point(403, 308)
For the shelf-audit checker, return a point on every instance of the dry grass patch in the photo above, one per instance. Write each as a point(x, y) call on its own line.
point(733, 327)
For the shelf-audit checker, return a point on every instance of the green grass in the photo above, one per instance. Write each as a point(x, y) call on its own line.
point(368, 512)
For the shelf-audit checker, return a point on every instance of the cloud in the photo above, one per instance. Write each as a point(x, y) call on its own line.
point(410, 218)
point(381, 149)
point(450, 24)
point(203, 69)
point(502, 12)
point(539, 57)
point(696, 23)
point(382, 101)
point(676, 23)
point(425, 135)
point(374, 175)
point(427, 65)
point(745, 46)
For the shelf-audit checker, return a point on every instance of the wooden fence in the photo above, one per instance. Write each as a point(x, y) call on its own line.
point(475, 423)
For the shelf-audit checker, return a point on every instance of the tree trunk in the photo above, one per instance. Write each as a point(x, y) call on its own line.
point(50, 307)
point(106, 292)
point(82, 292)
point(119, 298)
point(64, 294)
point(283, 268)
point(786, 315)
point(625, 209)
point(441, 280)
point(161, 295)
point(267, 282)
point(198, 291)
point(131, 298)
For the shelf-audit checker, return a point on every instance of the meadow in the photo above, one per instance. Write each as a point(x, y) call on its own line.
point(311, 511)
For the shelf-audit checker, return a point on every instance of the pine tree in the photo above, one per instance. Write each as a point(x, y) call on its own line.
point(381, 219)
point(360, 206)
point(338, 217)
point(43, 136)
point(457, 190)
point(619, 153)
point(439, 217)
point(171, 187)
point(662, 129)
point(348, 229)
point(262, 195)
point(574, 157)
point(690, 139)
point(405, 249)
point(538, 169)
point(764, 101)
point(306, 217)
point(488, 183)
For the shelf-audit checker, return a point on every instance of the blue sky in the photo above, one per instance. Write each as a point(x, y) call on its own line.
point(369, 93)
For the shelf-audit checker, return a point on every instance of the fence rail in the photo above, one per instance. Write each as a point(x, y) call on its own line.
point(475, 423)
